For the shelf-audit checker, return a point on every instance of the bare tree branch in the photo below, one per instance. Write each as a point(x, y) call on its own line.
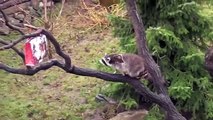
point(13, 43)
point(32, 71)
point(62, 7)
point(91, 73)
point(7, 22)
point(31, 26)
point(57, 47)
point(21, 54)
point(49, 37)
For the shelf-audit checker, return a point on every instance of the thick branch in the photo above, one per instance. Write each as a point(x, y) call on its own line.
point(120, 78)
point(58, 48)
point(91, 73)
point(21, 54)
point(32, 71)
point(7, 22)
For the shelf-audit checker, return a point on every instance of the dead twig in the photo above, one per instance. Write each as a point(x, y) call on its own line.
point(61, 10)
point(21, 54)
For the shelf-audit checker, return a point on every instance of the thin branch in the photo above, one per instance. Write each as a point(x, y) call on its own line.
point(31, 26)
point(7, 22)
point(13, 43)
point(62, 7)
point(45, 11)
point(49, 37)
point(21, 54)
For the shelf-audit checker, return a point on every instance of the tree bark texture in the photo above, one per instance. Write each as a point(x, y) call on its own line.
point(151, 66)
point(209, 61)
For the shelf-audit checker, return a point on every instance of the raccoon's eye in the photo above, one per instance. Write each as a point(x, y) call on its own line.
point(108, 59)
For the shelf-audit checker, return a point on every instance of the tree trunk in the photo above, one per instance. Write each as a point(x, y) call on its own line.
point(209, 61)
point(157, 78)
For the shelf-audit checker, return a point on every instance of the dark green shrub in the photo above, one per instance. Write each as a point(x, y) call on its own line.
point(177, 35)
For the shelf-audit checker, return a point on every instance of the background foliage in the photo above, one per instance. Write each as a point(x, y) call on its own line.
point(178, 33)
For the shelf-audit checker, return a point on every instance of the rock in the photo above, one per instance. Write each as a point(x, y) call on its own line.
point(91, 115)
point(16, 22)
point(35, 4)
point(4, 30)
point(49, 4)
point(20, 16)
point(16, 8)
point(90, 3)
point(131, 115)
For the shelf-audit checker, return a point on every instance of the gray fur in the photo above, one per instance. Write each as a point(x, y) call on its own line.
point(127, 64)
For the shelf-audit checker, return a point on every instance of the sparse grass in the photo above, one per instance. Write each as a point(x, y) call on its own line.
point(54, 94)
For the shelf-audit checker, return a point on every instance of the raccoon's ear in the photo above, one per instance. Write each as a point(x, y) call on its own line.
point(120, 57)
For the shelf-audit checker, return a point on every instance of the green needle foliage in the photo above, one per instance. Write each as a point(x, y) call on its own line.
point(178, 33)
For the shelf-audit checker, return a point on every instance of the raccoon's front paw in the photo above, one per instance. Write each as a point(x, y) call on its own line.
point(123, 74)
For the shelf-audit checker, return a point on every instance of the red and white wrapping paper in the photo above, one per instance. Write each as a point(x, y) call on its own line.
point(35, 50)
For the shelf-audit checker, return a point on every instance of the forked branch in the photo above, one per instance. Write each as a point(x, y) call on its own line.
point(22, 38)
point(21, 54)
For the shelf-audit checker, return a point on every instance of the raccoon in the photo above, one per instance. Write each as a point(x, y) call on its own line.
point(127, 64)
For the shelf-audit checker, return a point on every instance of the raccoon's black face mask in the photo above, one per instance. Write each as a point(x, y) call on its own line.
point(106, 60)
point(111, 59)
point(103, 61)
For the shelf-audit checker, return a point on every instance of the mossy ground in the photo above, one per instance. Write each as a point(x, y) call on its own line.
point(54, 94)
